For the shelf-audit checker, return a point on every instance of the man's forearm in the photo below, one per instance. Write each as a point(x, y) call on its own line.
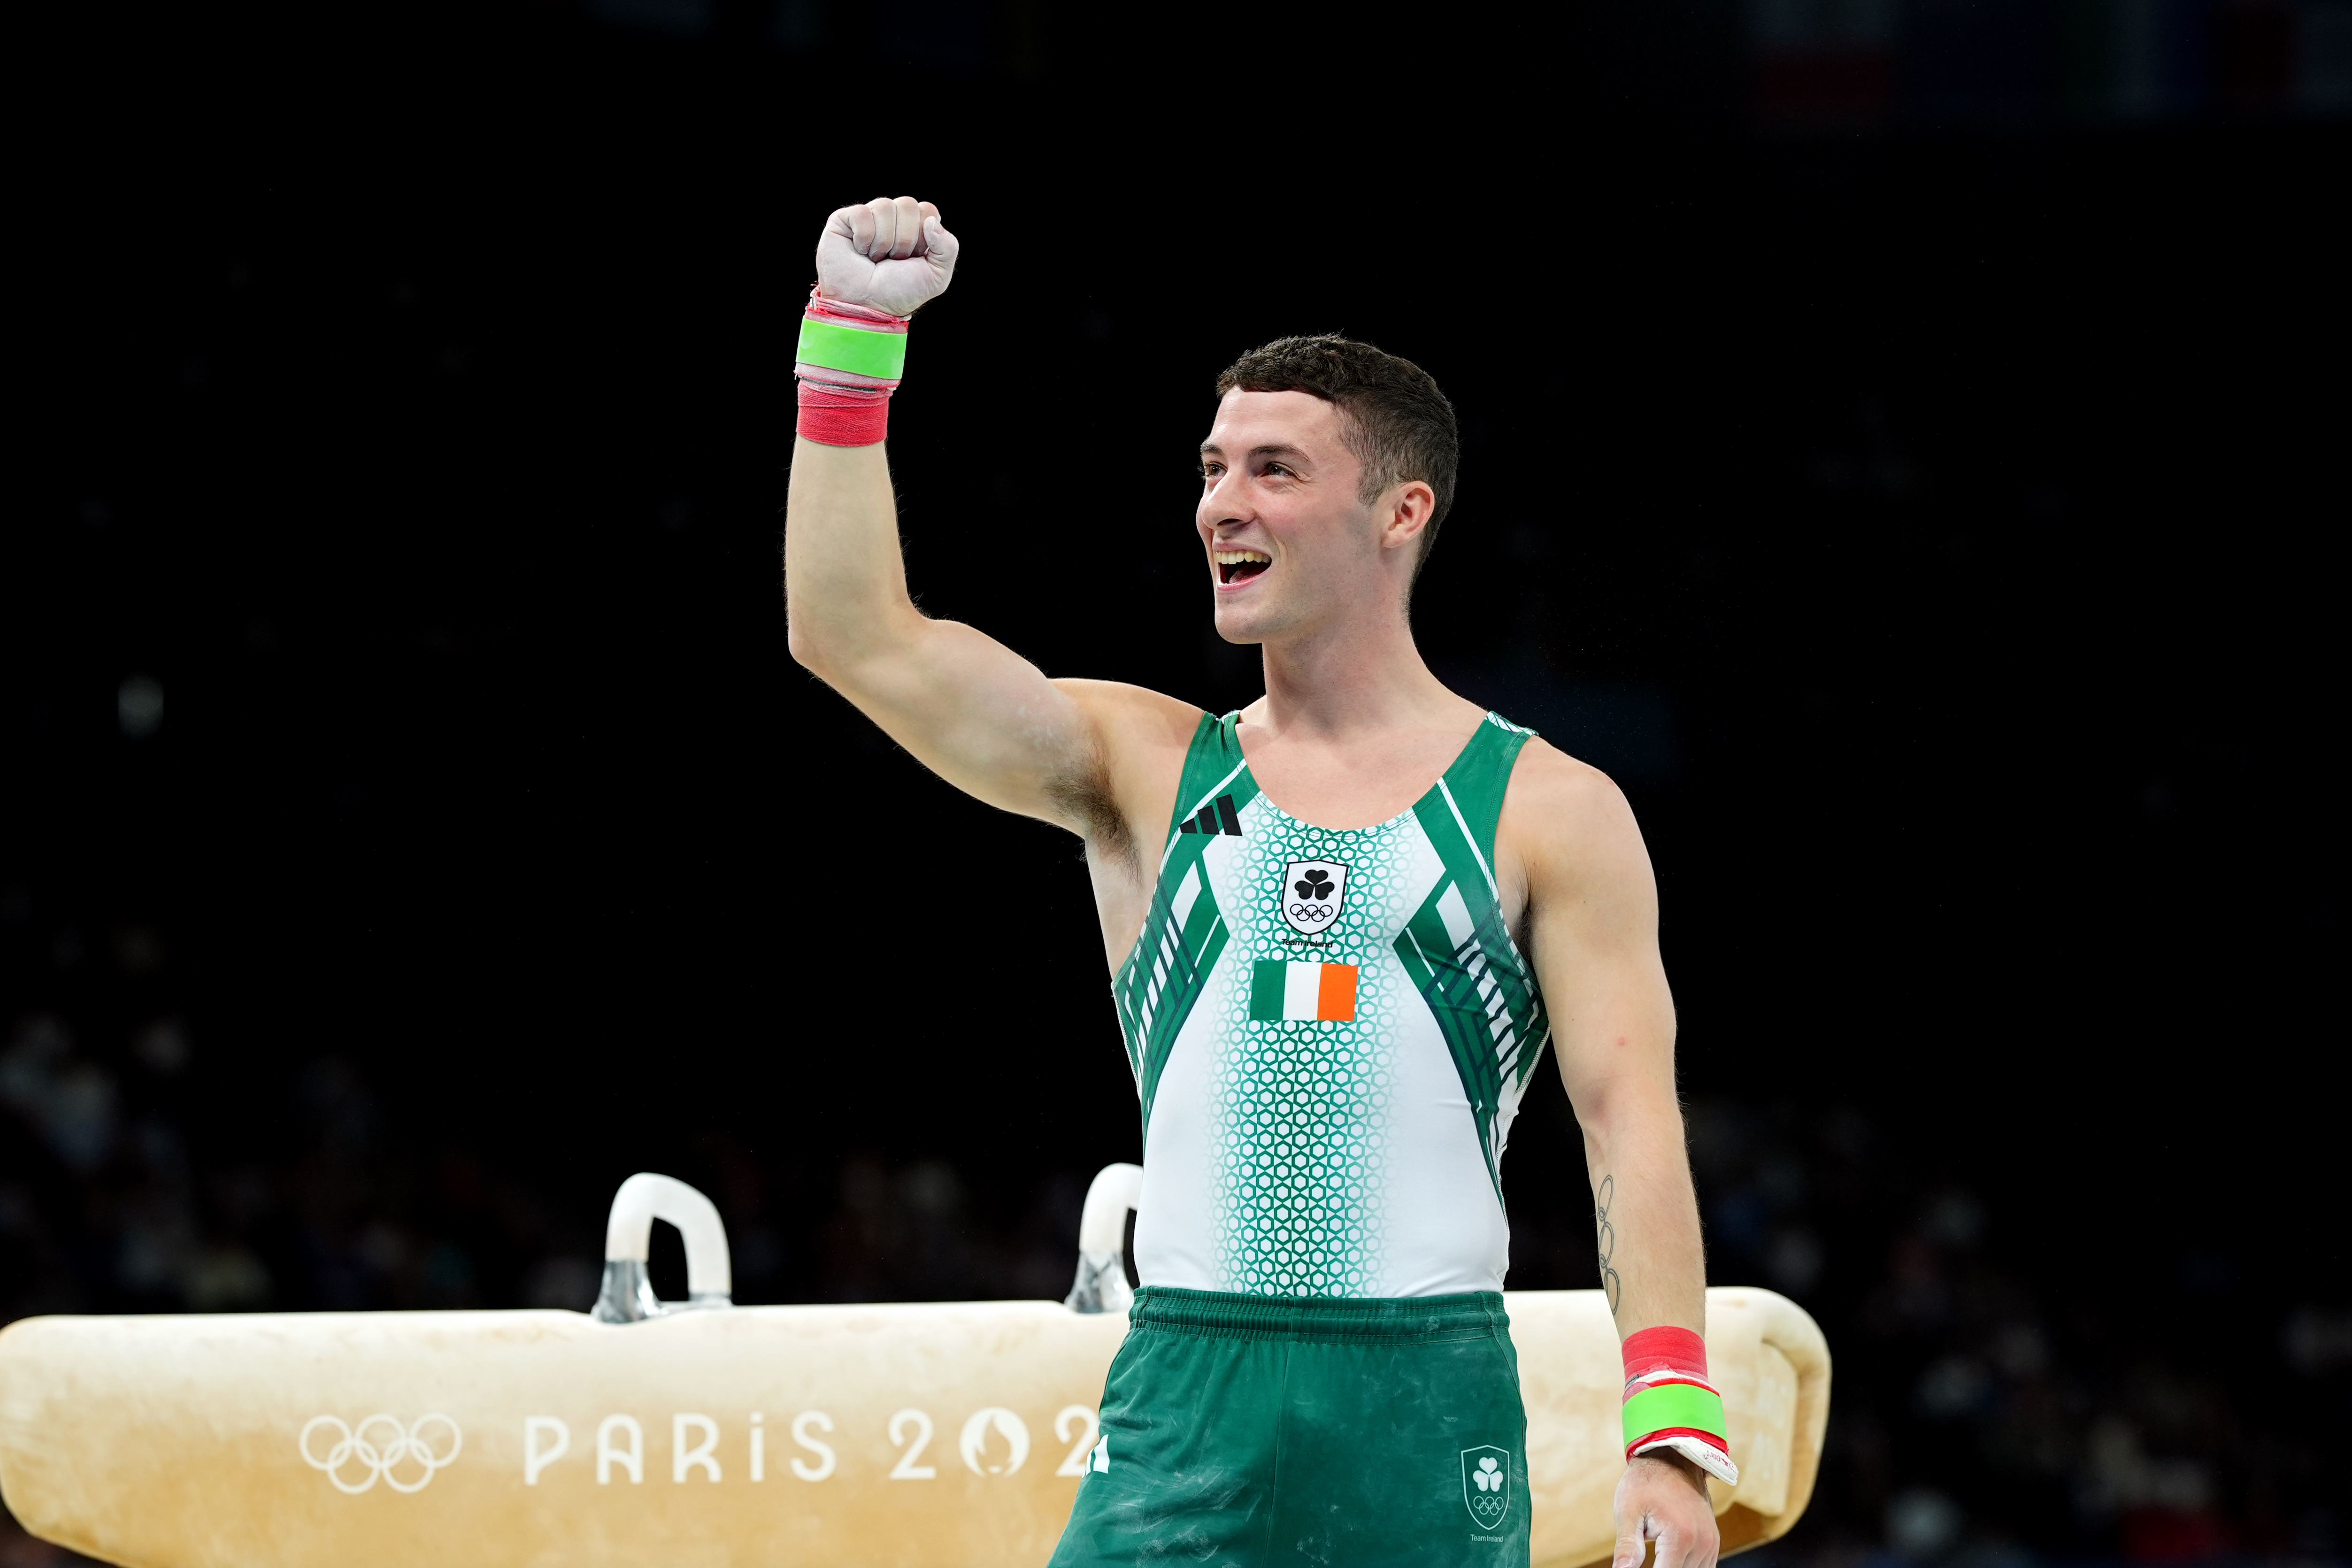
point(844, 583)
point(1646, 1214)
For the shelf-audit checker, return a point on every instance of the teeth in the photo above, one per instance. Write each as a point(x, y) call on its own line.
point(1236, 557)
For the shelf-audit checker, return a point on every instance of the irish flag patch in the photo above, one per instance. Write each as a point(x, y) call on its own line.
point(1282, 992)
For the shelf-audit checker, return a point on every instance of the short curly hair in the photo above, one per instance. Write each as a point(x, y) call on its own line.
point(1397, 424)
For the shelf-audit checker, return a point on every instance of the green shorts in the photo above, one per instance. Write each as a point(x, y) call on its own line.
point(1248, 1430)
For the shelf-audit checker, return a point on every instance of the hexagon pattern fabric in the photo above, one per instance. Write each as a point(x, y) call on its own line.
point(1329, 1030)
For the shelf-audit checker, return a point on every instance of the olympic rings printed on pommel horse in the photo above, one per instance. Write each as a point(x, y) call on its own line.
point(379, 1458)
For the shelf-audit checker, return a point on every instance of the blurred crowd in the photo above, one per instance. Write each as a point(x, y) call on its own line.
point(1991, 1408)
point(2007, 1392)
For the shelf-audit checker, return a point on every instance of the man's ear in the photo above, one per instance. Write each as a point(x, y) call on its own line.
point(1406, 509)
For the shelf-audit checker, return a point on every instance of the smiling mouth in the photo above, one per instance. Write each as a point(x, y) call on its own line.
point(1239, 565)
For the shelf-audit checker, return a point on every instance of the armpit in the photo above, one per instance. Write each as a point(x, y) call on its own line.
point(1085, 801)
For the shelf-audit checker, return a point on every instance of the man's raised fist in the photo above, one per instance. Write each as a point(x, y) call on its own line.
point(890, 255)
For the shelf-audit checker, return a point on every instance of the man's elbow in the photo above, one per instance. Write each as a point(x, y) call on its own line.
point(808, 650)
point(822, 644)
point(1628, 1108)
point(840, 645)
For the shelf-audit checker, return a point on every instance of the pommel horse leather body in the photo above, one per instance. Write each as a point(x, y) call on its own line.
point(951, 1436)
point(701, 1435)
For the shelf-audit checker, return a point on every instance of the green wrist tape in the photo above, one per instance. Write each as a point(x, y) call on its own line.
point(1672, 1405)
point(882, 355)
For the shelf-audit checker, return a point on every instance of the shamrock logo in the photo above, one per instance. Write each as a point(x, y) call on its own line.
point(1486, 1484)
point(1312, 893)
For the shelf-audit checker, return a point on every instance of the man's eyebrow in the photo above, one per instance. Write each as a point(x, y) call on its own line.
point(1278, 449)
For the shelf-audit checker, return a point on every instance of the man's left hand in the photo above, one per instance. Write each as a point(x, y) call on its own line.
point(1663, 1497)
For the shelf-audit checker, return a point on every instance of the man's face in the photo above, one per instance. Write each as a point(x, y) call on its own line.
point(1289, 545)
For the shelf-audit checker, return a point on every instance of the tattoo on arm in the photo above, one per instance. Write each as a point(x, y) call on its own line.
point(1609, 1282)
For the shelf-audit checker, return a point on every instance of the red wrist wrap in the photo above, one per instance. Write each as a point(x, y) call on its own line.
point(844, 415)
point(1667, 1350)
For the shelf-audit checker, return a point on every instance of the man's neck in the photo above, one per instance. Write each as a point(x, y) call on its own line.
point(1362, 677)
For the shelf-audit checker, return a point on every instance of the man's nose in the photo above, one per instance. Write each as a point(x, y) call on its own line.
point(1224, 501)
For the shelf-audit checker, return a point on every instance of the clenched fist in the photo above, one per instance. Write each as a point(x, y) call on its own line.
point(890, 255)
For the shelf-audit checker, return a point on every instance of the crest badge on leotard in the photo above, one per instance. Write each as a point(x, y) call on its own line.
point(1312, 892)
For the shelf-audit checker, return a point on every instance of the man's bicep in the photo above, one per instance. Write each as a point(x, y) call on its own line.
point(1593, 924)
point(983, 718)
point(1613, 1016)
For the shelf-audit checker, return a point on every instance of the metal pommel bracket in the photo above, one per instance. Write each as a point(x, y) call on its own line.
point(626, 1295)
point(1101, 1285)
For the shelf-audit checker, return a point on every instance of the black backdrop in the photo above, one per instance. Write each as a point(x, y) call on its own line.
point(1925, 528)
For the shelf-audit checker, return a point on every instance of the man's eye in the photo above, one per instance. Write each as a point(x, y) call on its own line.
point(1279, 468)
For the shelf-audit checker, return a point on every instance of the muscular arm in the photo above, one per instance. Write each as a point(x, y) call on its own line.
point(1592, 915)
point(1084, 754)
point(968, 708)
point(1593, 909)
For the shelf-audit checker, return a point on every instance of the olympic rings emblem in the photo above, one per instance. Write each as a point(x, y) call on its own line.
point(378, 1457)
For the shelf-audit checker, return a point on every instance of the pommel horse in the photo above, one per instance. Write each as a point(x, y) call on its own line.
point(702, 1434)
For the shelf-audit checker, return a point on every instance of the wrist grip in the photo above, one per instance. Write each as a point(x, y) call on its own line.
point(849, 360)
point(1670, 1403)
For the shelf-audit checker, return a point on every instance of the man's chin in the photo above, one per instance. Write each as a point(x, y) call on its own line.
point(1242, 631)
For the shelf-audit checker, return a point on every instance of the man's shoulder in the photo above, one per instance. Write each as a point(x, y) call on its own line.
point(1550, 779)
point(1134, 714)
point(1567, 816)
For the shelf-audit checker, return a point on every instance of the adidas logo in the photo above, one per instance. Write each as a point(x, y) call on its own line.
point(1218, 817)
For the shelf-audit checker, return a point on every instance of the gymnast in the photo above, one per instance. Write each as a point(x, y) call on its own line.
point(1342, 923)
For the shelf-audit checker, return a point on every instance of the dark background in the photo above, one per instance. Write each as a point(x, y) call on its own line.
point(1901, 442)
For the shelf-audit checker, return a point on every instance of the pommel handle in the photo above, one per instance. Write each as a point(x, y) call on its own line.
point(1101, 1285)
point(627, 1295)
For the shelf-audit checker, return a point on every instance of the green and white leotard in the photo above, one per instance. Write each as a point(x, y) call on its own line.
point(1331, 1031)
